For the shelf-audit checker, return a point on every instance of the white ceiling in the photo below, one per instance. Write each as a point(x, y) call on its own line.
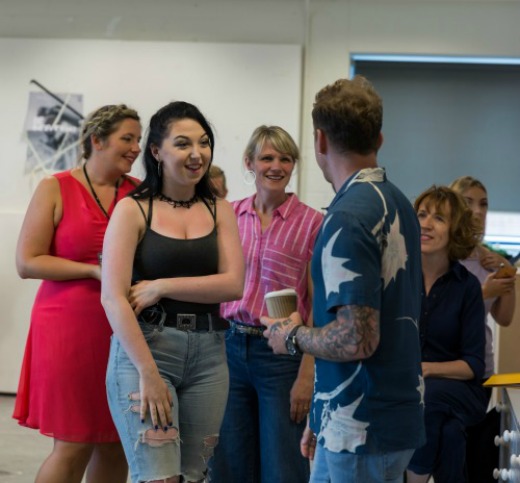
point(169, 20)
point(261, 21)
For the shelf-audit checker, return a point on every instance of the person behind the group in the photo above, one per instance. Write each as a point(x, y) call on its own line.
point(499, 301)
point(269, 396)
point(217, 178)
point(62, 385)
point(498, 293)
point(172, 253)
point(367, 413)
point(452, 336)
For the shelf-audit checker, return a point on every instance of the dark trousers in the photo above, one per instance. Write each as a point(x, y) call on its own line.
point(451, 406)
point(481, 453)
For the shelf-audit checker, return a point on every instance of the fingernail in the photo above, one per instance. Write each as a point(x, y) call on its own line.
point(170, 424)
point(156, 427)
point(165, 428)
point(142, 421)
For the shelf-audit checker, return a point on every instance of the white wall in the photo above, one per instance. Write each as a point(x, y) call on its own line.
point(237, 87)
point(337, 29)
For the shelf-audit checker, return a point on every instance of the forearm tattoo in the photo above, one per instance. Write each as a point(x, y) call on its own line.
point(354, 335)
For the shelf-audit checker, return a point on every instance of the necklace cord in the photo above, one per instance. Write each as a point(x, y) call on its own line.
point(94, 194)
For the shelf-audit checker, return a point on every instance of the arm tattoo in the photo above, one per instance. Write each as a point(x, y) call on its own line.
point(277, 326)
point(354, 335)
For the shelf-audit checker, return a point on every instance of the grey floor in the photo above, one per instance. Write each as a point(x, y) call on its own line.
point(22, 450)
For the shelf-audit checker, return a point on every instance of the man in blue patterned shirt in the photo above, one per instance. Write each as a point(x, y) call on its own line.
point(367, 413)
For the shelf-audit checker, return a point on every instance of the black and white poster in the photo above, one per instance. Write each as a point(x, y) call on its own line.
point(53, 132)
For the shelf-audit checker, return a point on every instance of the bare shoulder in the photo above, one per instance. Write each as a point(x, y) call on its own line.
point(224, 210)
point(49, 185)
point(47, 199)
point(128, 213)
point(129, 206)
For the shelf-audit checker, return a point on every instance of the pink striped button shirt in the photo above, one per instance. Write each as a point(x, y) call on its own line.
point(275, 259)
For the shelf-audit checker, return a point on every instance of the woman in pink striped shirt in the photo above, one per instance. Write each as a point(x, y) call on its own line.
point(269, 396)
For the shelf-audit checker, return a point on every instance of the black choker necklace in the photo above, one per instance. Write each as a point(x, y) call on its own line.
point(94, 194)
point(179, 203)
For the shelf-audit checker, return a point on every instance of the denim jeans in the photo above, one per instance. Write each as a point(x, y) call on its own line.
point(258, 441)
point(193, 365)
point(388, 467)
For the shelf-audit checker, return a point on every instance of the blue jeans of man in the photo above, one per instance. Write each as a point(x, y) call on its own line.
point(258, 441)
point(387, 467)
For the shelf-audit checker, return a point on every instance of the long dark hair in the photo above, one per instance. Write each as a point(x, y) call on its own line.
point(158, 130)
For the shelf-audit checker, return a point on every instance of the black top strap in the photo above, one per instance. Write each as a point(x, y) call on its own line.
point(150, 209)
point(213, 210)
point(149, 218)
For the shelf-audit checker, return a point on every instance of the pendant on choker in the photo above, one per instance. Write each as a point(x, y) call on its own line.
point(179, 203)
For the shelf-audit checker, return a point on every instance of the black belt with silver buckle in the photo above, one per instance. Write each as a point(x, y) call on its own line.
point(253, 330)
point(156, 315)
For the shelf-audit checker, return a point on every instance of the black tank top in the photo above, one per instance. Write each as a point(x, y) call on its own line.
point(158, 256)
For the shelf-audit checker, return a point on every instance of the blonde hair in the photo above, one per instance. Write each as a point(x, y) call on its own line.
point(278, 137)
point(102, 123)
point(464, 183)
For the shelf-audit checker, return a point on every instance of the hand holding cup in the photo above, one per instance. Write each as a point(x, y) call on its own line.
point(281, 303)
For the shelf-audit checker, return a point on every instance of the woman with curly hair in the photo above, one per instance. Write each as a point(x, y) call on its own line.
point(452, 336)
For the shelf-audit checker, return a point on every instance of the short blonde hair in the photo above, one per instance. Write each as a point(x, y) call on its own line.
point(278, 137)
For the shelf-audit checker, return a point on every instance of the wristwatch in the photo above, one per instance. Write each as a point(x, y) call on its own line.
point(291, 344)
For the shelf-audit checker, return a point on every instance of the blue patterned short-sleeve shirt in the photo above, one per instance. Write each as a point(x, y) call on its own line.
point(368, 254)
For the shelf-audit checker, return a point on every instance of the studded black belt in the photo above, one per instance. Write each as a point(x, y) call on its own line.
point(156, 315)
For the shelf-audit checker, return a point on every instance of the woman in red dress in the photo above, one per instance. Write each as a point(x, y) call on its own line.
point(62, 383)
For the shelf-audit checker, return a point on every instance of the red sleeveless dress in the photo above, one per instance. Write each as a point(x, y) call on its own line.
point(62, 383)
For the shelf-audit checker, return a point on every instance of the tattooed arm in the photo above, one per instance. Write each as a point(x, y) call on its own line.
point(354, 335)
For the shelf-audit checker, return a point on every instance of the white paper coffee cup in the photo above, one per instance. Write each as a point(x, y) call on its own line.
point(281, 303)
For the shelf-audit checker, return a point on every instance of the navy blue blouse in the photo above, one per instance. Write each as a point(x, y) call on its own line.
point(452, 323)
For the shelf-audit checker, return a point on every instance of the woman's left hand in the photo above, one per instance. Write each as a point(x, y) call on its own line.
point(301, 397)
point(144, 294)
point(491, 260)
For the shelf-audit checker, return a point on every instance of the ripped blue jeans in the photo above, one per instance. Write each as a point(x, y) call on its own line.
point(193, 365)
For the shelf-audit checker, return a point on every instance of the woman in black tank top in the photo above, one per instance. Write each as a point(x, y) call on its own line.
point(171, 254)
